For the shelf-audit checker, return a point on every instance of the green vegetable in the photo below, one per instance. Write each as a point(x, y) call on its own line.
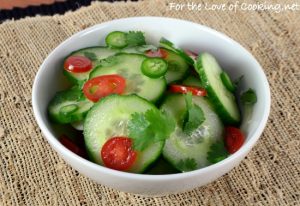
point(227, 81)
point(186, 165)
point(116, 39)
point(223, 100)
point(129, 67)
point(139, 49)
point(146, 47)
point(194, 116)
point(109, 61)
point(180, 146)
point(69, 106)
point(92, 56)
point(119, 39)
point(149, 127)
point(109, 118)
point(249, 97)
point(154, 67)
point(135, 38)
point(95, 54)
point(217, 152)
point(68, 109)
point(178, 68)
point(169, 45)
point(192, 81)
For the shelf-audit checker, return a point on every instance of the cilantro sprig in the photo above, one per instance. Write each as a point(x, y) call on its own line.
point(109, 61)
point(186, 165)
point(135, 38)
point(149, 127)
point(194, 116)
point(217, 152)
point(249, 97)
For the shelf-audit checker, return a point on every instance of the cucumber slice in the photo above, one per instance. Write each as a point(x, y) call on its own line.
point(222, 99)
point(68, 106)
point(94, 54)
point(177, 66)
point(192, 81)
point(109, 118)
point(189, 152)
point(139, 49)
point(129, 67)
point(169, 45)
point(116, 39)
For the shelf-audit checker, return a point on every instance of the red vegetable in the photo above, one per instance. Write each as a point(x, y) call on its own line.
point(65, 140)
point(234, 139)
point(161, 53)
point(102, 86)
point(185, 89)
point(117, 153)
point(77, 64)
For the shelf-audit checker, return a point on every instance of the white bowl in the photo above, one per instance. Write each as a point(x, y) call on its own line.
point(235, 59)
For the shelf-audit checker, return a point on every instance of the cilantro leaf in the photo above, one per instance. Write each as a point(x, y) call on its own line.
point(160, 123)
point(109, 61)
point(169, 45)
point(217, 152)
point(188, 164)
point(149, 127)
point(194, 116)
point(90, 55)
point(249, 97)
point(138, 127)
point(135, 38)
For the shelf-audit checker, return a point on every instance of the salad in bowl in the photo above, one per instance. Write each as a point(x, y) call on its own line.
point(141, 108)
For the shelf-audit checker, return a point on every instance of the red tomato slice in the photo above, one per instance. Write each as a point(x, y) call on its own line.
point(161, 53)
point(102, 86)
point(234, 139)
point(65, 140)
point(77, 64)
point(185, 89)
point(117, 153)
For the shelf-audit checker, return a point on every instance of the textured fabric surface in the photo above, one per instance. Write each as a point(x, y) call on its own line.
point(31, 173)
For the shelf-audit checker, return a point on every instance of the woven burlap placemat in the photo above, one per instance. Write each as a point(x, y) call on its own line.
point(31, 173)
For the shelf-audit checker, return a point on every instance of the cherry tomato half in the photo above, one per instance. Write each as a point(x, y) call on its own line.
point(234, 139)
point(77, 64)
point(102, 86)
point(68, 143)
point(197, 91)
point(117, 153)
point(161, 53)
